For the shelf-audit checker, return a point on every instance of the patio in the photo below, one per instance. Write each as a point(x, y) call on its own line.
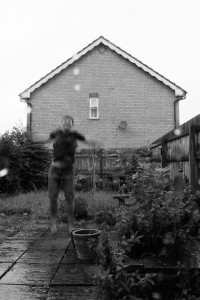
point(35, 264)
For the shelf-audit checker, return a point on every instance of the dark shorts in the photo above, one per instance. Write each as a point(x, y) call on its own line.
point(55, 178)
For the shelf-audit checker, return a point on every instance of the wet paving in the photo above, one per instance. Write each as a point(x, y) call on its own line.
point(35, 264)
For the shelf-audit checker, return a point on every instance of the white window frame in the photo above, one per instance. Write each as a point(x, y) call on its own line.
point(96, 106)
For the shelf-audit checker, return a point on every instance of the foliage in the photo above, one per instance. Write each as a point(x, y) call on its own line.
point(93, 247)
point(188, 287)
point(119, 281)
point(112, 185)
point(38, 203)
point(116, 282)
point(162, 226)
point(158, 222)
point(81, 210)
point(34, 203)
point(105, 216)
point(28, 162)
point(83, 182)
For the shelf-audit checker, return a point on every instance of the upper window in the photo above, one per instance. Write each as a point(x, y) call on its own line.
point(94, 106)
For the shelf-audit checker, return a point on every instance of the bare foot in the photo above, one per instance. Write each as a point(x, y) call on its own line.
point(53, 225)
point(54, 228)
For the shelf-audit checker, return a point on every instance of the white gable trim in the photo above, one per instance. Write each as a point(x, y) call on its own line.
point(25, 95)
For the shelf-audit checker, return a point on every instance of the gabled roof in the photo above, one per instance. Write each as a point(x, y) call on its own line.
point(25, 95)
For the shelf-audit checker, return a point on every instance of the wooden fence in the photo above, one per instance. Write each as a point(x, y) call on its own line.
point(180, 150)
point(105, 164)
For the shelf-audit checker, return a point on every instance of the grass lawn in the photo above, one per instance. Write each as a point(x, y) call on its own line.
point(36, 204)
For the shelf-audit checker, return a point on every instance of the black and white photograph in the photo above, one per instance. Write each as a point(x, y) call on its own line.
point(100, 150)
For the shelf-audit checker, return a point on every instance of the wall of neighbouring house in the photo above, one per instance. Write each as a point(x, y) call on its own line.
point(126, 93)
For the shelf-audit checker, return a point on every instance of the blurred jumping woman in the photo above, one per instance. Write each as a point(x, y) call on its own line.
point(62, 168)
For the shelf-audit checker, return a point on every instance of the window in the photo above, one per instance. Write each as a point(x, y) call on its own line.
point(94, 106)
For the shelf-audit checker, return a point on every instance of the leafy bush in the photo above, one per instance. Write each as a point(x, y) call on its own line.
point(120, 281)
point(164, 223)
point(62, 212)
point(116, 282)
point(83, 182)
point(159, 224)
point(105, 216)
point(28, 162)
point(81, 211)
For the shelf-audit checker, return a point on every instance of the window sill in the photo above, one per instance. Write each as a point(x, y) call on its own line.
point(93, 118)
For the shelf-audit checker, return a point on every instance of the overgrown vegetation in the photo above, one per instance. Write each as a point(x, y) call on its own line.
point(118, 281)
point(83, 182)
point(158, 222)
point(27, 163)
point(158, 225)
point(37, 204)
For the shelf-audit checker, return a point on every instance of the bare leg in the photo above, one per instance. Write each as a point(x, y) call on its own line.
point(53, 190)
point(68, 187)
point(53, 225)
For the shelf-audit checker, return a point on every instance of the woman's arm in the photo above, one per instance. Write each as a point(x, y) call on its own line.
point(89, 142)
point(41, 138)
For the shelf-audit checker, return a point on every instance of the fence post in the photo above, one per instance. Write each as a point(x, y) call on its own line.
point(163, 153)
point(192, 159)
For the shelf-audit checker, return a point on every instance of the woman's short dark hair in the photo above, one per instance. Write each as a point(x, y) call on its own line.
point(68, 117)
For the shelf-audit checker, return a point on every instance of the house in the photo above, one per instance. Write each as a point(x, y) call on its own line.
point(112, 96)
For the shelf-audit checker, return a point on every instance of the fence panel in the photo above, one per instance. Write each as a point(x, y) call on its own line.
point(104, 164)
point(181, 153)
point(178, 149)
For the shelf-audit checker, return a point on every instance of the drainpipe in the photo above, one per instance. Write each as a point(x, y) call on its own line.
point(29, 113)
point(29, 117)
point(178, 98)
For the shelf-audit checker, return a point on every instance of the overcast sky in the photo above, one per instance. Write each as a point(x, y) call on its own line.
point(38, 35)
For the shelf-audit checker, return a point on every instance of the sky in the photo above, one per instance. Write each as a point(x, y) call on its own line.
point(38, 35)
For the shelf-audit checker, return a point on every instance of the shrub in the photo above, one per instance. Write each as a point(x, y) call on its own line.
point(83, 182)
point(81, 211)
point(105, 216)
point(116, 282)
point(62, 209)
point(163, 222)
point(28, 162)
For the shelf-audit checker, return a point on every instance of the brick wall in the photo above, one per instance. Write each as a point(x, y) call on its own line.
point(126, 93)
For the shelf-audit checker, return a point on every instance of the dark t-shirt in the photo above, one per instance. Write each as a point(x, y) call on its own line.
point(64, 146)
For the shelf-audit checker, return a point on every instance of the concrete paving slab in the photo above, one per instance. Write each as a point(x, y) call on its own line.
point(20, 292)
point(71, 246)
point(4, 267)
point(35, 256)
point(52, 242)
point(28, 240)
point(16, 245)
point(5, 233)
point(29, 274)
point(10, 256)
point(78, 274)
point(72, 293)
point(29, 235)
point(71, 258)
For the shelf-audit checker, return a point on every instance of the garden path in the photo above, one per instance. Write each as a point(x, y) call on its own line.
point(35, 264)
